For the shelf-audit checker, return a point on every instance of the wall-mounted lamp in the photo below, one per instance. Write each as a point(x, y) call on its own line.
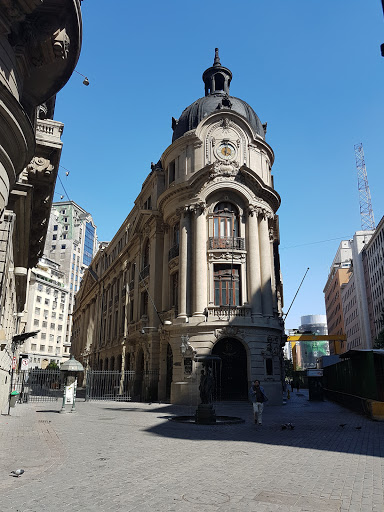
point(85, 81)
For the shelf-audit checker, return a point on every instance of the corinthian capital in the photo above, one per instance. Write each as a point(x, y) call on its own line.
point(198, 207)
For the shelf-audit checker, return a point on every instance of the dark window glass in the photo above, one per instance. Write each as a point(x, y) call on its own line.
point(88, 243)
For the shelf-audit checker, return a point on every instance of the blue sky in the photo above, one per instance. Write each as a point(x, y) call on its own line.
point(312, 69)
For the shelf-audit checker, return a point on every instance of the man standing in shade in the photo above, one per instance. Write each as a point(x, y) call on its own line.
point(258, 398)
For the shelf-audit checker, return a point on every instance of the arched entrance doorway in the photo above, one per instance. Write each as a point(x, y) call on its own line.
point(233, 382)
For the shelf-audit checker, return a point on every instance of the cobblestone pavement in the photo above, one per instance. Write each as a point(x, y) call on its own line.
point(114, 456)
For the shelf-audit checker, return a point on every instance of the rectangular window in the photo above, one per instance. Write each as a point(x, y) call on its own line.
point(171, 172)
point(42, 348)
point(53, 247)
point(227, 285)
point(44, 324)
point(33, 346)
point(36, 321)
point(37, 311)
point(46, 302)
point(55, 227)
point(59, 327)
point(54, 237)
point(43, 335)
point(38, 298)
point(50, 349)
point(53, 326)
point(40, 287)
point(63, 246)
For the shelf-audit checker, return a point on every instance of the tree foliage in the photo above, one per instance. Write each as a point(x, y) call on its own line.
point(53, 366)
point(288, 365)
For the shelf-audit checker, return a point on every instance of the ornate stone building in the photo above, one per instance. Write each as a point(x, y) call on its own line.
point(194, 269)
point(39, 47)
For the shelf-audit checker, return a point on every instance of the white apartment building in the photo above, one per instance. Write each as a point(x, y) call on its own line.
point(48, 299)
point(373, 259)
point(354, 297)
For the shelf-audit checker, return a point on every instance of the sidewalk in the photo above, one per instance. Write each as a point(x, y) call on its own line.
point(114, 456)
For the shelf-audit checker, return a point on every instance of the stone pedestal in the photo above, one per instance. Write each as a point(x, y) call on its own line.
point(205, 414)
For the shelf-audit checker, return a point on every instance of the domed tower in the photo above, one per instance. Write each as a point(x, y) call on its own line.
point(221, 282)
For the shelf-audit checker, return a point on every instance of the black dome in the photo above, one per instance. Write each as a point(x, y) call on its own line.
point(201, 108)
point(217, 80)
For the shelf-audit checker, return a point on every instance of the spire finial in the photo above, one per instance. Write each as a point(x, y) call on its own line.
point(216, 62)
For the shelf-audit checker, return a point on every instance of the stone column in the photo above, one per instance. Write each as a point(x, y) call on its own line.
point(265, 266)
point(253, 264)
point(165, 283)
point(200, 261)
point(183, 263)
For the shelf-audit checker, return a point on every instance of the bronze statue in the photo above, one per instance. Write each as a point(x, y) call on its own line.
point(206, 386)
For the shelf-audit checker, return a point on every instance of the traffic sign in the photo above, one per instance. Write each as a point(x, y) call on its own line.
point(24, 363)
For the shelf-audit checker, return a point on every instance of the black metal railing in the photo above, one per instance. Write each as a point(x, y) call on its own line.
point(173, 252)
point(37, 385)
point(226, 242)
point(122, 386)
point(222, 311)
point(144, 272)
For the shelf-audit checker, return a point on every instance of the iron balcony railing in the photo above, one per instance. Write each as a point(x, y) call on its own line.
point(226, 242)
point(173, 252)
point(144, 273)
point(225, 311)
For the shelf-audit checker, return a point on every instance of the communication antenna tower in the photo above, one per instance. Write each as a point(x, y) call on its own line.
point(366, 212)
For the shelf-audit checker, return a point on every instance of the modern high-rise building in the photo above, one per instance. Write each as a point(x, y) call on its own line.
point(71, 242)
point(193, 272)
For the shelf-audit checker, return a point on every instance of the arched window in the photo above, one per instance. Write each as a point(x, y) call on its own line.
point(225, 220)
point(224, 227)
point(219, 82)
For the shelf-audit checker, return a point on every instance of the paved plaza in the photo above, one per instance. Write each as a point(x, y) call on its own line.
point(114, 456)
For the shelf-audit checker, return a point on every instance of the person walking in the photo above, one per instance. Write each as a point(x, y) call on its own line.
point(258, 399)
point(292, 385)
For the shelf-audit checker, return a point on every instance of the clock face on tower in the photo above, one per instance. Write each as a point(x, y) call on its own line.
point(226, 151)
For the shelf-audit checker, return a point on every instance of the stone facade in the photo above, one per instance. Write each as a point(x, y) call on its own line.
point(39, 48)
point(194, 269)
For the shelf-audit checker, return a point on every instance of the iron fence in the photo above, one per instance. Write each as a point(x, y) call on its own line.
point(38, 385)
point(121, 386)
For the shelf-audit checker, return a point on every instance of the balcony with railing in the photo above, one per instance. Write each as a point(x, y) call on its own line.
point(144, 272)
point(173, 252)
point(223, 312)
point(226, 242)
